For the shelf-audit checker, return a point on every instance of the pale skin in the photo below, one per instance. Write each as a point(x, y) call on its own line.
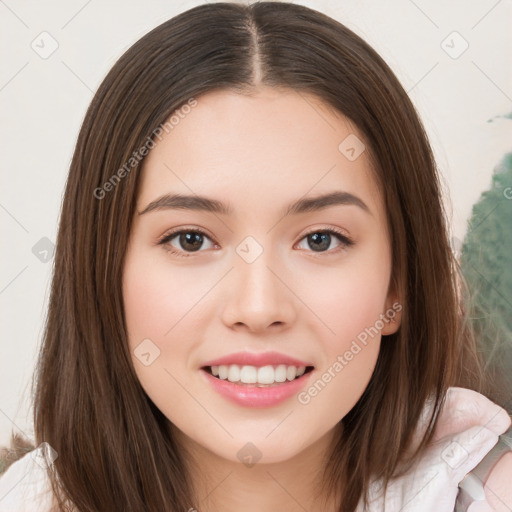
point(259, 154)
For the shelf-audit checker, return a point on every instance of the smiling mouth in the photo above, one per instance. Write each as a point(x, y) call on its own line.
point(277, 375)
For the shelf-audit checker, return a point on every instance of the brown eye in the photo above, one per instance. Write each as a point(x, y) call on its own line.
point(190, 240)
point(187, 240)
point(320, 240)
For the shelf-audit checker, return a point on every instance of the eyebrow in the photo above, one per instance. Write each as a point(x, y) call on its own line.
point(203, 203)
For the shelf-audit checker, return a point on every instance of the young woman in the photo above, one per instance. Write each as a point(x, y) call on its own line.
point(254, 303)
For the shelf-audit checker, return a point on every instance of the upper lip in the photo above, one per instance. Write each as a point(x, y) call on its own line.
point(257, 359)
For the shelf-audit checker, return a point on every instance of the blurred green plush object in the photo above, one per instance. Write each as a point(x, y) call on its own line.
point(486, 263)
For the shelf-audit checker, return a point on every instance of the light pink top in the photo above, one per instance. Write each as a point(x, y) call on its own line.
point(468, 429)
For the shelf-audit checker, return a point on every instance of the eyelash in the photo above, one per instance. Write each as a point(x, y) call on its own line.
point(345, 241)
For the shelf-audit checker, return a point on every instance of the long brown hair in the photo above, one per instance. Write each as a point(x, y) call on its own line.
point(114, 449)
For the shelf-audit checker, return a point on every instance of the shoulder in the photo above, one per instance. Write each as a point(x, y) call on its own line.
point(468, 428)
point(476, 436)
point(25, 485)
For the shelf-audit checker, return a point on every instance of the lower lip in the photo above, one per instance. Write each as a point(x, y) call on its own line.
point(253, 396)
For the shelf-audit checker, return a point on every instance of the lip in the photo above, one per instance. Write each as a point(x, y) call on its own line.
point(250, 395)
point(257, 359)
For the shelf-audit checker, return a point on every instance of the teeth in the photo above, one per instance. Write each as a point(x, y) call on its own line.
point(257, 375)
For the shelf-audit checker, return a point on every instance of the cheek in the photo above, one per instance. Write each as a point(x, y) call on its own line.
point(350, 351)
point(165, 307)
point(348, 298)
point(160, 297)
point(158, 305)
point(159, 312)
point(348, 301)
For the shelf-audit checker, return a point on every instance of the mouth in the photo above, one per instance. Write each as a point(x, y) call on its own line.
point(260, 377)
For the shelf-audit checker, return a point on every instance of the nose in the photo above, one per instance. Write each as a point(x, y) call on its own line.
point(259, 294)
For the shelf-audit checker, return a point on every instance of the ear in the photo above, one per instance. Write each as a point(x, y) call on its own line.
point(392, 315)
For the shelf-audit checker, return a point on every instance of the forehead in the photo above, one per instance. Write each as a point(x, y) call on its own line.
point(267, 147)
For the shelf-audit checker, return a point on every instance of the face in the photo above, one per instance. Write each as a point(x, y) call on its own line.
point(310, 284)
